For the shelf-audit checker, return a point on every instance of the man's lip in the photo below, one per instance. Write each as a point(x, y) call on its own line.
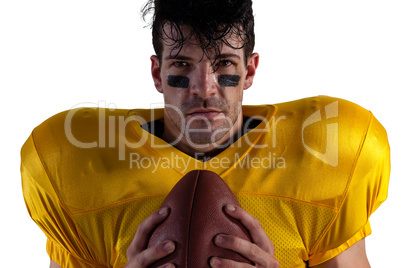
point(207, 113)
point(203, 111)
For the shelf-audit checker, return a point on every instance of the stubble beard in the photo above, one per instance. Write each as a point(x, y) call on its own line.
point(201, 131)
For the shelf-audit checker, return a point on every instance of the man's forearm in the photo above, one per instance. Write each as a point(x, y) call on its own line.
point(54, 265)
point(355, 256)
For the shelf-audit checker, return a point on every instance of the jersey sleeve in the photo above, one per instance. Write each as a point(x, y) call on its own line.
point(367, 190)
point(64, 244)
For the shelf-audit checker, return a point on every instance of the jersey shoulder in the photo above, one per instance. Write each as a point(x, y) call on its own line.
point(321, 139)
point(81, 127)
point(330, 129)
point(78, 151)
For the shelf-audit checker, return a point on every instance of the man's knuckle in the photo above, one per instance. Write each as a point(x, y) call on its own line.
point(254, 250)
point(154, 251)
point(229, 264)
point(140, 260)
point(237, 243)
point(141, 227)
point(129, 250)
point(255, 223)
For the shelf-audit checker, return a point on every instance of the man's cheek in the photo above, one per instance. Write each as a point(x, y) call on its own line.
point(178, 81)
point(227, 80)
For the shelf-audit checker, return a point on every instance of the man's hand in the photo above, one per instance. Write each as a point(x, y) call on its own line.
point(138, 256)
point(261, 252)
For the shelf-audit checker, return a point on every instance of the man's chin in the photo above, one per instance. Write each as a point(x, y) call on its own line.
point(204, 140)
point(206, 133)
point(208, 126)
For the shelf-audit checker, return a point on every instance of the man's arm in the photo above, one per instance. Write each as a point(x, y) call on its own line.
point(54, 265)
point(355, 256)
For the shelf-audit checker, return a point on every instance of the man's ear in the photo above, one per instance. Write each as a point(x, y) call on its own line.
point(156, 73)
point(252, 65)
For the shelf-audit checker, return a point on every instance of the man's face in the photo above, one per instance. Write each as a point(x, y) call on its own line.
point(203, 102)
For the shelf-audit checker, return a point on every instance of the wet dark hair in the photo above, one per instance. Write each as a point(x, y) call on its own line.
point(211, 21)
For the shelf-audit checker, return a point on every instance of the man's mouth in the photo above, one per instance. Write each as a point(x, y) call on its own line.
point(204, 113)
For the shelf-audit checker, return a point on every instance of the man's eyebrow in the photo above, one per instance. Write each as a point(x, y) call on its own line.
point(228, 55)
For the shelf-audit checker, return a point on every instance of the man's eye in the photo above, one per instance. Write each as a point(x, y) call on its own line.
point(180, 64)
point(225, 63)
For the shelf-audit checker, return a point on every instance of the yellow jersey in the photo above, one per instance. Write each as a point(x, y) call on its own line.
point(312, 172)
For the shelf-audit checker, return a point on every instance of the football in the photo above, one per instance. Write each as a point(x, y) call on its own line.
point(196, 216)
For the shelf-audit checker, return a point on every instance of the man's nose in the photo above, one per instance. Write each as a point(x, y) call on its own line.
point(204, 82)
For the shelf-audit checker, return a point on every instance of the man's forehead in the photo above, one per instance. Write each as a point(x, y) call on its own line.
point(184, 42)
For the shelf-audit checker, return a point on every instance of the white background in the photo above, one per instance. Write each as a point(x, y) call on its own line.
point(57, 54)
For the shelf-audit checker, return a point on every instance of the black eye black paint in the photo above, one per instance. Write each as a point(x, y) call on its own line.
point(226, 80)
point(178, 81)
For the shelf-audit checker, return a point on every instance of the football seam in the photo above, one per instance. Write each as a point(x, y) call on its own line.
point(191, 217)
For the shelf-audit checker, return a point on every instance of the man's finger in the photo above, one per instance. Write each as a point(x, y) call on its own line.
point(151, 255)
point(258, 235)
point(144, 230)
point(221, 263)
point(247, 249)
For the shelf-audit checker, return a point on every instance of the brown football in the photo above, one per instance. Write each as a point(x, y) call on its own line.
point(196, 216)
